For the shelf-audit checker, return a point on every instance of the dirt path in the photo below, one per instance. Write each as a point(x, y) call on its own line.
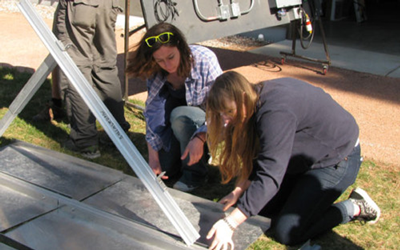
point(373, 100)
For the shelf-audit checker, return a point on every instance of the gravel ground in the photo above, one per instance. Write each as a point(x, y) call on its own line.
point(10, 6)
point(238, 43)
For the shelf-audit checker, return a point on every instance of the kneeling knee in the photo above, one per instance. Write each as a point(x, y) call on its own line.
point(288, 234)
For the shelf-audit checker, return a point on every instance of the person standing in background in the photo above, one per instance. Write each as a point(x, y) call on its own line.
point(87, 29)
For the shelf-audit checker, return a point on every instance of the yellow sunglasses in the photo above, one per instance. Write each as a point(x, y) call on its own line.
point(162, 38)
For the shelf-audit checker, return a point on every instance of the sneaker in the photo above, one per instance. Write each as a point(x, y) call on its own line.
point(184, 187)
point(91, 152)
point(49, 113)
point(370, 212)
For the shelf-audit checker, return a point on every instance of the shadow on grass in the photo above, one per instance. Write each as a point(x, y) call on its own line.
point(330, 240)
point(333, 240)
point(5, 141)
point(12, 80)
point(112, 157)
point(213, 189)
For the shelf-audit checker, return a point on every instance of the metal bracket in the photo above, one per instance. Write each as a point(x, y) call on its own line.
point(223, 11)
point(160, 181)
point(61, 45)
point(235, 9)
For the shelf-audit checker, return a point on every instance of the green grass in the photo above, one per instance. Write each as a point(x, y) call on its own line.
point(380, 180)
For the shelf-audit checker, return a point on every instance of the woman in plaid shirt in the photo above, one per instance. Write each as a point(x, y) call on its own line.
point(178, 77)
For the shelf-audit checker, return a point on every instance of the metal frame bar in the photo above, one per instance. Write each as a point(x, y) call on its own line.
point(126, 48)
point(155, 186)
point(325, 63)
point(316, 15)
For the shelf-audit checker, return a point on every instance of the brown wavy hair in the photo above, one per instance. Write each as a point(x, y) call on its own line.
point(140, 60)
point(236, 145)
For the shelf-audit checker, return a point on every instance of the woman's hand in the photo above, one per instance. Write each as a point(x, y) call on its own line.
point(222, 234)
point(222, 230)
point(231, 199)
point(154, 162)
point(194, 150)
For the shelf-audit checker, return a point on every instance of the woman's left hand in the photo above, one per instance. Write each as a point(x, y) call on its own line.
point(229, 200)
point(223, 229)
point(222, 234)
point(194, 150)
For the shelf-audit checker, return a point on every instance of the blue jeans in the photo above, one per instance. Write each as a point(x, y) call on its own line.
point(185, 120)
point(304, 206)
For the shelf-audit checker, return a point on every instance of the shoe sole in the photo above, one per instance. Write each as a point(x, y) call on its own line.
point(92, 156)
point(368, 199)
point(182, 188)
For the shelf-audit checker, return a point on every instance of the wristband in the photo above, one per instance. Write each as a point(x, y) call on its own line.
point(201, 139)
point(229, 223)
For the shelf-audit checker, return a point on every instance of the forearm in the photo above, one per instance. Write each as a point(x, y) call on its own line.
point(153, 154)
point(237, 217)
point(240, 188)
point(243, 186)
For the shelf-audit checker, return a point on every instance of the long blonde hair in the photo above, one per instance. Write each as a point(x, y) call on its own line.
point(234, 146)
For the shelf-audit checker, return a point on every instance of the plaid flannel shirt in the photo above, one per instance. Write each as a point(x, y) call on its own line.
point(205, 70)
